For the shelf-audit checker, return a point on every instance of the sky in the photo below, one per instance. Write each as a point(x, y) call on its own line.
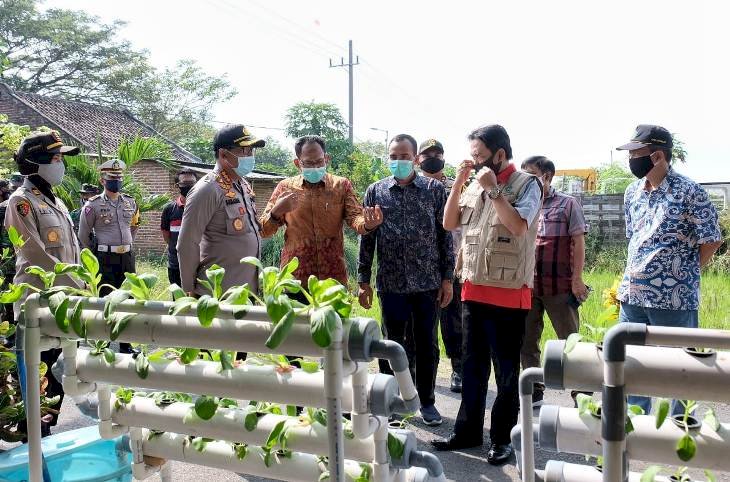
point(568, 79)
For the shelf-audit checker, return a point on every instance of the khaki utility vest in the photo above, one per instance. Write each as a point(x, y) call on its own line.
point(490, 254)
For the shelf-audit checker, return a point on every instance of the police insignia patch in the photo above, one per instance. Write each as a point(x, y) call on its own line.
point(237, 224)
point(23, 208)
point(87, 210)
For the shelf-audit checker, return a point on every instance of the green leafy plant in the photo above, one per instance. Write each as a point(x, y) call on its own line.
point(679, 475)
point(686, 447)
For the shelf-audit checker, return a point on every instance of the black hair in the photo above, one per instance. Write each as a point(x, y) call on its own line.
point(544, 164)
point(309, 139)
point(667, 152)
point(405, 137)
point(493, 136)
point(186, 171)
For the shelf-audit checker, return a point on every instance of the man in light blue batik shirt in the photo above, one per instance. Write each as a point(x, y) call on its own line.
point(673, 231)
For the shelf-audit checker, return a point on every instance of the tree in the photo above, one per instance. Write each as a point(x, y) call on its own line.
point(67, 53)
point(613, 178)
point(324, 120)
point(275, 158)
point(10, 137)
point(178, 102)
point(372, 149)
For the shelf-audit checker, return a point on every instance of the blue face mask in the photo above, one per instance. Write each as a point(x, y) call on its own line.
point(245, 165)
point(314, 174)
point(400, 168)
point(113, 185)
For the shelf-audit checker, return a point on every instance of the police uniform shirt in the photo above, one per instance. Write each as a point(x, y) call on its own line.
point(219, 226)
point(111, 221)
point(48, 232)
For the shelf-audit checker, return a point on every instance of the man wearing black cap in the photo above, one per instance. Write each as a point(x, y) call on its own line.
point(498, 214)
point(431, 161)
point(42, 220)
point(673, 231)
point(219, 224)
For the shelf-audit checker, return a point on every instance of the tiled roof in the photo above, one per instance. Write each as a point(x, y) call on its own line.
point(89, 123)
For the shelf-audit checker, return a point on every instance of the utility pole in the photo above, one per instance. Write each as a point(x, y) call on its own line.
point(350, 64)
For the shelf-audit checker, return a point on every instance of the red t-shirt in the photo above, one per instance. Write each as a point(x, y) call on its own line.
point(505, 297)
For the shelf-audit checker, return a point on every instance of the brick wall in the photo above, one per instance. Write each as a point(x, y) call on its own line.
point(605, 217)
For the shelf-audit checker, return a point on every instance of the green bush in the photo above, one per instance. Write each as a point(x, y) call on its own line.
point(603, 257)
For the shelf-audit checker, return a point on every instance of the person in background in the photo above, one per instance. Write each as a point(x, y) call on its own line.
point(113, 219)
point(314, 206)
point(559, 259)
point(42, 220)
point(431, 162)
point(498, 216)
point(673, 231)
point(87, 192)
point(170, 223)
point(219, 223)
point(16, 180)
point(415, 264)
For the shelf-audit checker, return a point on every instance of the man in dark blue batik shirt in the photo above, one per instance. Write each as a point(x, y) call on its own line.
point(415, 263)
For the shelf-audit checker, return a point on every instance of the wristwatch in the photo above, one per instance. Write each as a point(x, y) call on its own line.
point(495, 192)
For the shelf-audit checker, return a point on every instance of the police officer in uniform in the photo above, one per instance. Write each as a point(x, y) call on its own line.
point(219, 224)
point(43, 222)
point(87, 192)
point(113, 218)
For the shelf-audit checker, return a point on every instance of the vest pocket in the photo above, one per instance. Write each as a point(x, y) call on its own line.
point(502, 266)
point(466, 213)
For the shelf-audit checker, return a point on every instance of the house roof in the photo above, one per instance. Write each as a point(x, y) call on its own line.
point(86, 124)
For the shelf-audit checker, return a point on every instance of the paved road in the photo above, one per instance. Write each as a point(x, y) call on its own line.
point(462, 466)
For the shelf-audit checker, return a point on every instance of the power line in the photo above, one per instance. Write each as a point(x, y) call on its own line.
point(349, 66)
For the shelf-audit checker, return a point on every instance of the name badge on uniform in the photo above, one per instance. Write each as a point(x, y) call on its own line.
point(237, 224)
point(232, 201)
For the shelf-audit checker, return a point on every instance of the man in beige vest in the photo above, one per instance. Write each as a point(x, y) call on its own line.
point(43, 222)
point(498, 215)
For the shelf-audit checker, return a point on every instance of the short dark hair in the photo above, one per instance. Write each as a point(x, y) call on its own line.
point(405, 137)
point(310, 139)
point(493, 136)
point(186, 172)
point(667, 152)
point(544, 164)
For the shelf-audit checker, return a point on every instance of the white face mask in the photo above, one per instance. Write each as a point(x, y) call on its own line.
point(52, 173)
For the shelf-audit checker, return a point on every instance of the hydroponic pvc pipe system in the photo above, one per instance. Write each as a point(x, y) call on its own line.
point(564, 430)
point(564, 472)
point(367, 396)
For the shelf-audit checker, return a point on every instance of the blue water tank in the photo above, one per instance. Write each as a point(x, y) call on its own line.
point(74, 456)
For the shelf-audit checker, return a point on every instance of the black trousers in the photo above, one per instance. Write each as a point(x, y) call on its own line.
point(419, 311)
point(492, 335)
point(173, 274)
point(451, 329)
point(112, 267)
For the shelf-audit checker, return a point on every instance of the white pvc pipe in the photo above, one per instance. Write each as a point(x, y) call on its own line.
point(363, 423)
point(228, 424)
point(333, 395)
point(165, 330)
point(653, 371)
point(246, 382)
point(70, 380)
point(299, 468)
point(699, 337)
point(32, 358)
point(140, 470)
point(107, 429)
point(564, 472)
point(527, 453)
point(381, 465)
point(581, 435)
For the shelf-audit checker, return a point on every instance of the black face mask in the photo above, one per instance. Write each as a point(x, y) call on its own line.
point(488, 163)
point(432, 165)
point(184, 190)
point(640, 166)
